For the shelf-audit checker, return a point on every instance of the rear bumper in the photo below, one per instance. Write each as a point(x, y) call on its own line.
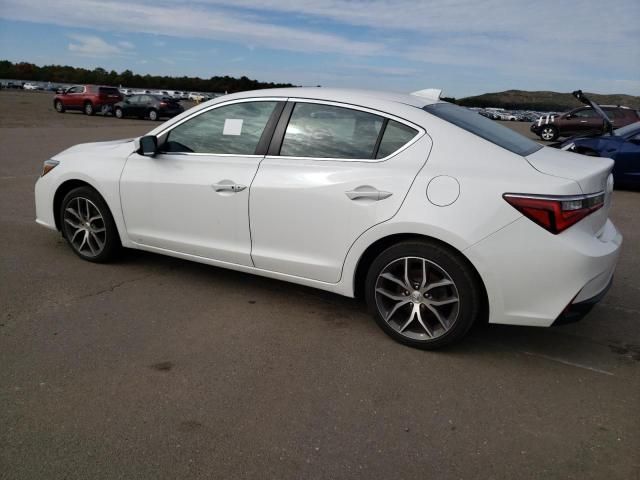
point(533, 277)
point(578, 310)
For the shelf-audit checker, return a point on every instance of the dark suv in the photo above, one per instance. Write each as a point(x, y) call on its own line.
point(582, 120)
point(87, 98)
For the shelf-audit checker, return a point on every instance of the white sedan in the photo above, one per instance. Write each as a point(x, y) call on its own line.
point(437, 216)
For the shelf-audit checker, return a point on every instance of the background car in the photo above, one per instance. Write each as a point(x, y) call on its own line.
point(623, 146)
point(148, 106)
point(582, 120)
point(87, 98)
point(30, 86)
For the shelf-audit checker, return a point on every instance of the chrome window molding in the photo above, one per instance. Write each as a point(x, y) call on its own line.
point(421, 131)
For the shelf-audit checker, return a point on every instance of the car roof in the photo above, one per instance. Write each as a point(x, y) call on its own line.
point(355, 96)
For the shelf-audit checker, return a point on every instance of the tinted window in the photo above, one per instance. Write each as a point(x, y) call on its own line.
point(395, 136)
point(134, 99)
point(631, 129)
point(75, 90)
point(108, 91)
point(233, 129)
point(325, 131)
point(484, 128)
point(586, 113)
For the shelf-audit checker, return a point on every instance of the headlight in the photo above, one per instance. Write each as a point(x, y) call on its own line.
point(48, 166)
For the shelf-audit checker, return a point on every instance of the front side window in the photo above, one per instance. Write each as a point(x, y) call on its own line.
point(484, 128)
point(325, 131)
point(231, 129)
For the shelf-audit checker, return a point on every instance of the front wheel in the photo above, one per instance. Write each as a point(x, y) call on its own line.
point(59, 107)
point(87, 225)
point(119, 113)
point(549, 133)
point(88, 108)
point(423, 294)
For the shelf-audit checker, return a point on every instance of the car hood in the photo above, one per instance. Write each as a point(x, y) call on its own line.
point(94, 147)
point(589, 172)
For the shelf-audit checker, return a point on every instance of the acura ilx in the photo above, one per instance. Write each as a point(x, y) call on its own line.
point(435, 215)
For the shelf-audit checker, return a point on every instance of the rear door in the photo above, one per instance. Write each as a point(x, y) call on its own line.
point(332, 172)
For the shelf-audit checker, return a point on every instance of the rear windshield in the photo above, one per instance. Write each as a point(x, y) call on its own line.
point(484, 128)
point(108, 91)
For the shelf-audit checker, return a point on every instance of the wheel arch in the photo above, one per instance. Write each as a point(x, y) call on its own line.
point(381, 244)
point(64, 188)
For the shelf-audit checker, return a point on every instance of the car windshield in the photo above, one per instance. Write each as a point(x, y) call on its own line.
point(483, 127)
point(627, 130)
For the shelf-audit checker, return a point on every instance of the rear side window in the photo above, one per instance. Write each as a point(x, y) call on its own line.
point(396, 135)
point(327, 131)
point(232, 129)
point(484, 128)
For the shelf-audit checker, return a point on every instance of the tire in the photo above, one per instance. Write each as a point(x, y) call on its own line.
point(451, 288)
point(91, 238)
point(118, 113)
point(58, 106)
point(88, 108)
point(549, 133)
point(153, 115)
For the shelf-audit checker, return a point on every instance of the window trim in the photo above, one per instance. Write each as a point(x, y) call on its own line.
point(284, 120)
point(161, 135)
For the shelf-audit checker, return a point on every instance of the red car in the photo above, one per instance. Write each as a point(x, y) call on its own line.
point(87, 98)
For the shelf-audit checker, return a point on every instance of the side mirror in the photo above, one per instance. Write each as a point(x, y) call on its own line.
point(148, 146)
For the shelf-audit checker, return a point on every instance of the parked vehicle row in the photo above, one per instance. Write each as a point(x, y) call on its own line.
point(94, 98)
point(416, 228)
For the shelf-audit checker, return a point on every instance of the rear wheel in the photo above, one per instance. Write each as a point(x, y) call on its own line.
point(153, 115)
point(423, 294)
point(58, 106)
point(88, 108)
point(87, 225)
point(549, 133)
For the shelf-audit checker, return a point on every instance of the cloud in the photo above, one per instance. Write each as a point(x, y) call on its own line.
point(92, 46)
point(125, 44)
point(515, 43)
point(186, 22)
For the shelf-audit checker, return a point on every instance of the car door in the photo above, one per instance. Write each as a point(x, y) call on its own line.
point(332, 172)
point(130, 106)
point(73, 97)
point(585, 120)
point(193, 196)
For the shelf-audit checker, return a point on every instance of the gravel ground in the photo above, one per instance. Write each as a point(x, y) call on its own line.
point(154, 367)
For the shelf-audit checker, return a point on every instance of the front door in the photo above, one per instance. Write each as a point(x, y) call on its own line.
point(193, 197)
point(336, 172)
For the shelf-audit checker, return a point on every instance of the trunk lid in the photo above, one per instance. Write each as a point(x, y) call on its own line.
point(590, 173)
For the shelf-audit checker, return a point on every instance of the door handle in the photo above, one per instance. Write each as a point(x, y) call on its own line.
point(367, 192)
point(228, 187)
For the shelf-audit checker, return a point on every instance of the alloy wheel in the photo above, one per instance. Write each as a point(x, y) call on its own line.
point(85, 227)
point(417, 298)
point(548, 133)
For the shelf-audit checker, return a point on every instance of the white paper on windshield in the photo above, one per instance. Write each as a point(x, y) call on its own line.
point(232, 126)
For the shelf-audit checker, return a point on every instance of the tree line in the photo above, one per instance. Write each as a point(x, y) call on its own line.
point(67, 74)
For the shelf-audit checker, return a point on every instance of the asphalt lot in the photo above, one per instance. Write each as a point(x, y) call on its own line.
point(154, 367)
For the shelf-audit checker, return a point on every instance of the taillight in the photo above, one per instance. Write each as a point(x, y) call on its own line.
point(163, 104)
point(555, 213)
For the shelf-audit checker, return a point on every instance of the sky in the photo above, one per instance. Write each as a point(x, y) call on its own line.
point(465, 47)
